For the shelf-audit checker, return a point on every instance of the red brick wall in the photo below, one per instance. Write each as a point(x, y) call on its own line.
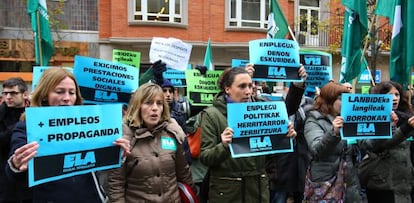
point(206, 19)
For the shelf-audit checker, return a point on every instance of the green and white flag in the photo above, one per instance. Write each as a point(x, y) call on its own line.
point(40, 26)
point(208, 57)
point(277, 26)
point(402, 54)
point(355, 29)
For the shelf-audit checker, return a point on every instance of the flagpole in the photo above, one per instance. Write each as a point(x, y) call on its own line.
point(366, 44)
point(39, 39)
point(291, 34)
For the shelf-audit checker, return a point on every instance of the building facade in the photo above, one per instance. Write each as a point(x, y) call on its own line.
point(94, 28)
point(74, 26)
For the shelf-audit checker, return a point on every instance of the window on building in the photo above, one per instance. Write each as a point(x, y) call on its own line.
point(247, 13)
point(163, 11)
point(309, 19)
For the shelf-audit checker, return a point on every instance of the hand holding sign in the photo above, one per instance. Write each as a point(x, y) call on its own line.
point(227, 136)
point(250, 69)
point(157, 69)
point(124, 144)
point(302, 74)
point(23, 154)
point(291, 131)
point(337, 123)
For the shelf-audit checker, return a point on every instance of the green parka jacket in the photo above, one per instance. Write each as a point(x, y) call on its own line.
point(231, 180)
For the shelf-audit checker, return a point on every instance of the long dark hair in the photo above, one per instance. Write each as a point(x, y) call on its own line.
point(386, 86)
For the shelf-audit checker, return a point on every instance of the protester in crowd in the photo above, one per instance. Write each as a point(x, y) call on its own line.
point(287, 170)
point(157, 162)
point(392, 179)
point(15, 95)
point(56, 87)
point(232, 180)
point(322, 128)
point(176, 109)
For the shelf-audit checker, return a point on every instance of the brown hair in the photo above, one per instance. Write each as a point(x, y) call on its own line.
point(49, 80)
point(226, 79)
point(146, 92)
point(327, 96)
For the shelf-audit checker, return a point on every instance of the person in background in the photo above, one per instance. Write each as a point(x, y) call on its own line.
point(56, 87)
point(15, 94)
point(392, 180)
point(322, 128)
point(157, 161)
point(232, 180)
point(176, 109)
point(287, 170)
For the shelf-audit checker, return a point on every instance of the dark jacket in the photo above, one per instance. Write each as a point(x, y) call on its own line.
point(80, 188)
point(9, 190)
point(152, 170)
point(395, 171)
point(177, 112)
point(327, 149)
point(283, 168)
point(287, 170)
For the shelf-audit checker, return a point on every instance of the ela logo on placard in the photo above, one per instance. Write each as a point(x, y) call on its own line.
point(260, 143)
point(206, 98)
point(79, 161)
point(105, 96)
point(366, 128)
point(277, 72)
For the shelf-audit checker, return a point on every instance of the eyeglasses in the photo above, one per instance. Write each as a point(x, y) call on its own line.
point(12, 93)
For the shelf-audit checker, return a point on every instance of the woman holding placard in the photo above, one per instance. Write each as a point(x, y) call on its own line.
point(392, 178)
point(157, 163)
point(331, 167)
point(57, 87)
point(232, 179)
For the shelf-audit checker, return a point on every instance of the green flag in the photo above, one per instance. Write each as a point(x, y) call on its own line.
point(402, 55)
point(40, 25)
point(383, 9)
point(355, 29)
point(208, 57)
point(277, 26)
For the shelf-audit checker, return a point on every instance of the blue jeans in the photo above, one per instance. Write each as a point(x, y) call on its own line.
point(278, 196)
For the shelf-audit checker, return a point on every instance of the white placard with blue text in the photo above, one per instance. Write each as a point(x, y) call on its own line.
point(259, 128)
point(366, 116)
point(73, 140)
point(172, 51)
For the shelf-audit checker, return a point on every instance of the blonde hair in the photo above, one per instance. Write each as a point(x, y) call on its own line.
point(47, 83)
point(146, 92)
